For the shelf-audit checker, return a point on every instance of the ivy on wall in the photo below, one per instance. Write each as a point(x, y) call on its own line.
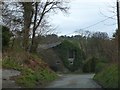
point(62, 51)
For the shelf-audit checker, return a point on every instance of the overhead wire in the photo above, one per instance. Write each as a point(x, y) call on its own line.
point(91, 25)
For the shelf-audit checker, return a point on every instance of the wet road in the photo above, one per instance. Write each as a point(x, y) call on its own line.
point(75, 81)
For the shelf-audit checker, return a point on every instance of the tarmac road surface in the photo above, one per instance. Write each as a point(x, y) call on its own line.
point(75, 81)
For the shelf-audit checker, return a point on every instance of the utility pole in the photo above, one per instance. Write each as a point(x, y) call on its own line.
point(118, 22)
point(118, 15)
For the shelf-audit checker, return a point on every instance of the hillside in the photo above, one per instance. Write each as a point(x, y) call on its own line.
point(33, 70)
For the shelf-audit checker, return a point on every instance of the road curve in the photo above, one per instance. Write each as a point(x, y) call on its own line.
point(75, 81)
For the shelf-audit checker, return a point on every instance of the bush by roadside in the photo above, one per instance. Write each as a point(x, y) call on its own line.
point(94, 65)
point(108, 78)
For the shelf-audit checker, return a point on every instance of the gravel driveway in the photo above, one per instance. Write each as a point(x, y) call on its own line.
point(75, 81)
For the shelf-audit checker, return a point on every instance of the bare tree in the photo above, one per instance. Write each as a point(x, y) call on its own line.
point(12, 15)
point(45, 28)
point(42, 9)
point(31, 14)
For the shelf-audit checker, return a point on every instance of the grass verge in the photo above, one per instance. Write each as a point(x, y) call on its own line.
point(34, 72)
point(108, 78)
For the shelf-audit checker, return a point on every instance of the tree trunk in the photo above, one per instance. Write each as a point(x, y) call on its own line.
point(36, 25)
point(32, 48)
point(27, 6)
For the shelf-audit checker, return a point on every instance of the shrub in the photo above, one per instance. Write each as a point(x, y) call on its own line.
point(6, 35)
point(89, 65)
point(94, 64)
point(108, 78)
point(11, 63)
point(30, 78)
point(100, 66)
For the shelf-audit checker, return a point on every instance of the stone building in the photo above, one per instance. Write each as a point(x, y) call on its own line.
point(51, 56)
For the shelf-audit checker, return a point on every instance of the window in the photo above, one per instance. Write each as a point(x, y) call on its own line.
point(58, 62)
point(71, 54)
point(71, 62)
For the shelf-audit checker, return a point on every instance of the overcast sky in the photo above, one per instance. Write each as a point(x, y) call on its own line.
point(84, 13)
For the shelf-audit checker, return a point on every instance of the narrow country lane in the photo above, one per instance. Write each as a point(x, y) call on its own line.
point(75, 81)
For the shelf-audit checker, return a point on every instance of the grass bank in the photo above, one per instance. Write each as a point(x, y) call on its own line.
point(34, 72)
point(108, 77)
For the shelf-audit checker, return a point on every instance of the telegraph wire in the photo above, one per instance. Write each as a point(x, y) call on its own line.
point(97, 23)
point(91, 25)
